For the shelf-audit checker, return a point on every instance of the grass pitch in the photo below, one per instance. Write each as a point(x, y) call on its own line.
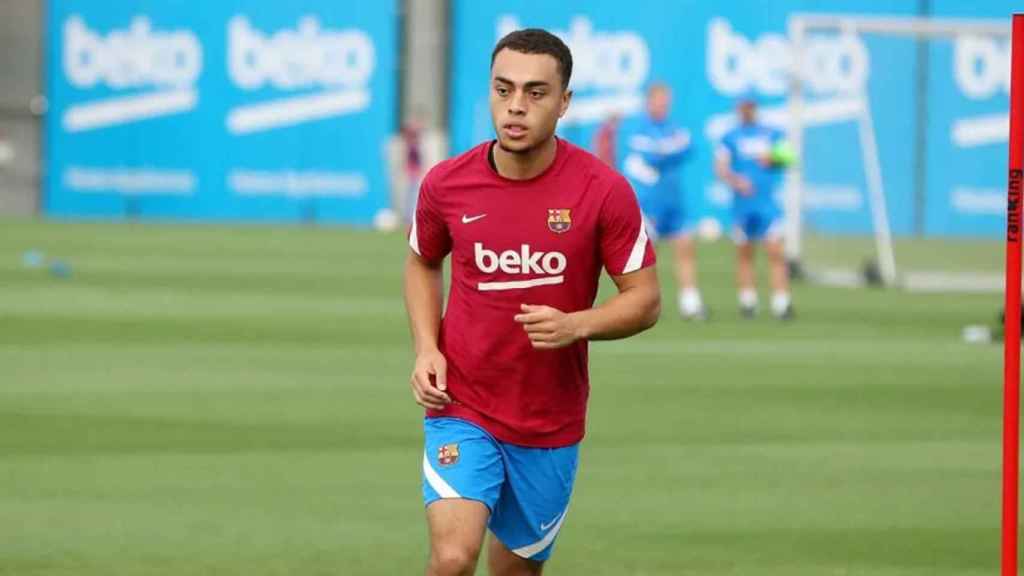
point(233, 400)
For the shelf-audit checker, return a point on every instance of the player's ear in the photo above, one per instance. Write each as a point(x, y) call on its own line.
point(564, 105)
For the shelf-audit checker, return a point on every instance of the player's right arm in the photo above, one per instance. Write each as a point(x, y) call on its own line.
point(429, 243)
point(423, 305)
point(723, 169)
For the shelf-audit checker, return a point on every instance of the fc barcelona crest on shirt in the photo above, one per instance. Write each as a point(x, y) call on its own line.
point(559, 220)
point(448, 454)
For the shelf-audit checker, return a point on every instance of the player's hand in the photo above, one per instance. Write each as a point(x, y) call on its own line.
point(765, 160)
point(743, 186)
point(548, 328)
point(430, 380)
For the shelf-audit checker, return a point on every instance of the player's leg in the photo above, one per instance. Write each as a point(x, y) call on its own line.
point(672, 224)
point(457, 528)
point(691, 305)
point(462, 478)
point(782, 305)
point(745, 286)
point(532, 508)
point(503, 562)
point(686, 266)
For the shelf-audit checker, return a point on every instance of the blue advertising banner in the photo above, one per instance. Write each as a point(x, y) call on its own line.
point(221, 111)
point(711, 53)
point(969, 91)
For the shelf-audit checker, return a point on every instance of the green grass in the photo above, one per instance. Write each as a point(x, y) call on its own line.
point(233, 400)
point(965, 255)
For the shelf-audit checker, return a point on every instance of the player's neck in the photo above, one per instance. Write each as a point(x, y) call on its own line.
point(524, 165)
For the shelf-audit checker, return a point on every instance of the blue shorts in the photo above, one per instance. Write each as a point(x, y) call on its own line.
point(526, 489)
point(666, 221)
point(756, 227)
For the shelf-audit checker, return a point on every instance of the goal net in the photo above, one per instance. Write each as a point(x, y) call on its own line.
point(900, 126)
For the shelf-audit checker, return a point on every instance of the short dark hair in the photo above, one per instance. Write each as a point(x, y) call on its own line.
point(538, 41)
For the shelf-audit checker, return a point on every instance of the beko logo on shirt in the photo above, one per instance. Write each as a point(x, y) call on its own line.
point(522, 261)
point(753, 148)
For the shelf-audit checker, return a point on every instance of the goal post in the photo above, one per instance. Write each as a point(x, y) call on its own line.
point(857, 114)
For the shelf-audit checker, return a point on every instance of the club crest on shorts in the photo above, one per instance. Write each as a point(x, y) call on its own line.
point(448, 454)
point(559, 220)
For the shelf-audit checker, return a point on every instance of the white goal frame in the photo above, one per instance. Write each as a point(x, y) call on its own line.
point(800, 26)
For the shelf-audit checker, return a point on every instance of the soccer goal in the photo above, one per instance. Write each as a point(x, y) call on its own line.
point(900, 125)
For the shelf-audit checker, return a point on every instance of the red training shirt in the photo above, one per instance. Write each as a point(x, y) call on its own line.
point(540, 241)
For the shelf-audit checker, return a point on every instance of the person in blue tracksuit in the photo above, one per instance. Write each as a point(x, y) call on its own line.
point(656, 150)
point(750, 159)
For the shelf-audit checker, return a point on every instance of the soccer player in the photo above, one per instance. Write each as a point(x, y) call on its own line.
point(529, 221)
point(657, 149)
point(750, 160)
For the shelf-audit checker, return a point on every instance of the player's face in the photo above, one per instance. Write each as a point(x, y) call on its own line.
point(747, 112)
point(527, 99)
point(659, 101)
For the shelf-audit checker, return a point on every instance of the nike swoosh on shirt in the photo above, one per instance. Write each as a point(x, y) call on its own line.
point(471, 219)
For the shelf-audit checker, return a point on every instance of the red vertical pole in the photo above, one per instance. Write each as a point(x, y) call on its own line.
point(1011, 342)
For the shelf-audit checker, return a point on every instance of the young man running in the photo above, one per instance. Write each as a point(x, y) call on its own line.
point(529, 220)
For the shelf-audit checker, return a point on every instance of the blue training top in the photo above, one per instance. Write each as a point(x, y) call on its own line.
point(655, 151)
point(744, 146)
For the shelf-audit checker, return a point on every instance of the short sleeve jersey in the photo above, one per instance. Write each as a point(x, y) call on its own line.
point(541, 241)
point(743, 146)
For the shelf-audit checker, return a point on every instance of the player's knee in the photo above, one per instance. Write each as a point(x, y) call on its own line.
point(685, 245)
point(453, 560)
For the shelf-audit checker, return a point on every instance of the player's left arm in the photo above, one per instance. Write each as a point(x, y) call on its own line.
point(634, 309)
point(724, 169)
point(628, 255)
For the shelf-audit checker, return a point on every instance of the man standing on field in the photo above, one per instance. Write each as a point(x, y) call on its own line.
point(529, 220)
point(750, 160)
point(657, 150)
